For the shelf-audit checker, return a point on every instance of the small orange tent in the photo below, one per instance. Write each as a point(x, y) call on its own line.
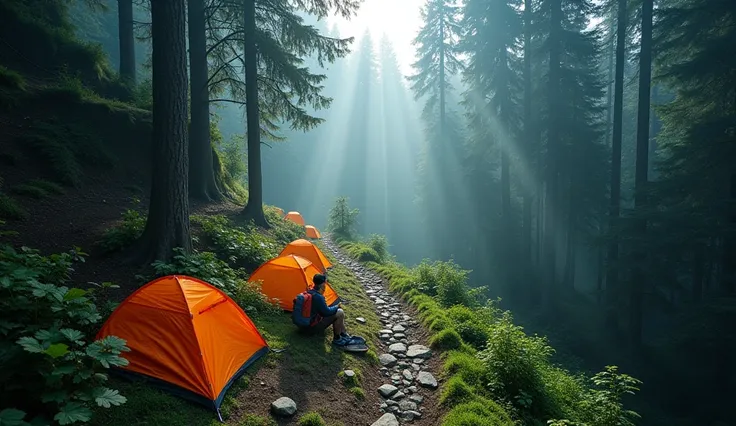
point(295, 217)
point(187, 336)
point(312, 232)
point(279, 210)
point(284, 277)
point(308, 251)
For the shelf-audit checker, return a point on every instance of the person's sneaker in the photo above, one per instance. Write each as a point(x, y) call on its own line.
point(341, 341)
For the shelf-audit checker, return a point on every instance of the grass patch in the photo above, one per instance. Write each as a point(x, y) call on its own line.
point(50, 187)
point(11, 79)
point(149, 406)
point(10, 209)
point(311, 419)
point(254, 420)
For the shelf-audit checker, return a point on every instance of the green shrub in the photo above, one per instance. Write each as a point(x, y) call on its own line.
point(445, 280)
point(58, 156)
point(446, 340)
point(125, 233)
point(30, 191)
point(49, 366)
point(456, 391)
point(379, 244)
point(359, 393)
point(311, 419)
point(10, 209)
point(50, 187)
point(207, 267)
point(11, 79)
point(255, 420)
point(468, 367)
point(246, 247)
point(283, 231)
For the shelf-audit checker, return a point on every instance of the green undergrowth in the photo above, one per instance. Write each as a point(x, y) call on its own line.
point(494, 373)
point(123, 233)
point(312, 359)
point(10, 209)
point(11, 79)
point(38, 189)
point(51, 369)
point(66, 148)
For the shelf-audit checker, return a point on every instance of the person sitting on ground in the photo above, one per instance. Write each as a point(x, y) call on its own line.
point(324, 316)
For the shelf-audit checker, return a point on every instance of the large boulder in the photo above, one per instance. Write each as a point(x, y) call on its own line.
point(387, 419)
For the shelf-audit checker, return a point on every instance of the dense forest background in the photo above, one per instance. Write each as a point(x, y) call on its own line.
point(576, 156)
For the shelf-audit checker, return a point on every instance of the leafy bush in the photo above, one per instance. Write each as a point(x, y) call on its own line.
point(10, 209)
point(311, 419)
point(125, 233)
point(283, 231)
point(446, 280)
point(207, 267)
point(245, 247)
point(379, 244)
point(446, 340)
point(49, 367)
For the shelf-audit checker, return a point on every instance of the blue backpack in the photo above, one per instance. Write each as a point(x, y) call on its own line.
point(301, 315)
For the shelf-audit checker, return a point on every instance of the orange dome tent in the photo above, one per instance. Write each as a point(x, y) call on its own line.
point(295, 217)
point(279, 210)
point(308, 251)
point(284, 277)
point(187, 336)
point(312, 232)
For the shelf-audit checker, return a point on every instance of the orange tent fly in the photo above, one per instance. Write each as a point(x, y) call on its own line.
point(187, 337)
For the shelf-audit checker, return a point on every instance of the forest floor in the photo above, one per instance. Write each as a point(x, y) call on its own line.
point(309, 371)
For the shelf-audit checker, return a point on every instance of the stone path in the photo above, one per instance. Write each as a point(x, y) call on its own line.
point(403, 359)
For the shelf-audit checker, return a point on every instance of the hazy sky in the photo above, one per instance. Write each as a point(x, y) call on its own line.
point(399, 19)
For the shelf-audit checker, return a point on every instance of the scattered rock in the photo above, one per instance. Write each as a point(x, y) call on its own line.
point(418, 351)
point(397, 348)
point(387, 390)
point(349, 373)
point(284, 407)
point(427, 380)
point(398, 395)
point(416, 414)
point(360, 320)
point(407, 375)
point(387, 419)
point(398, 328)
point(417, 398)
point(387, 360)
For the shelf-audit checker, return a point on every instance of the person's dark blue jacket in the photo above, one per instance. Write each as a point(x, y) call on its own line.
point(319, 306)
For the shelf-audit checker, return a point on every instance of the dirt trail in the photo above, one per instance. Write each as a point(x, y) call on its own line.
point(409, 368)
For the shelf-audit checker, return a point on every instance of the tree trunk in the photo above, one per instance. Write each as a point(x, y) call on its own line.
point(642, 168)
point(254, 209)
point(526, 238)
point(612, 271)
point(127, 41)
point(551, 202)
point(202, 184)
point(167, 226)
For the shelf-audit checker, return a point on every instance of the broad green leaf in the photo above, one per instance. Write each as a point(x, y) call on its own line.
point(74, 293)
point(12, 417)
point(57, 350)
point(105, 397)
point(73, 335)
point(31, 345)
point(63, 369)
point(72, 413)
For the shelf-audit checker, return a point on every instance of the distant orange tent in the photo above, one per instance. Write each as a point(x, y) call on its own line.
point(312, 232)
point(295, 217)
point(284, 277)
point(308, 251)
point(279, 210)
point(187, 336)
